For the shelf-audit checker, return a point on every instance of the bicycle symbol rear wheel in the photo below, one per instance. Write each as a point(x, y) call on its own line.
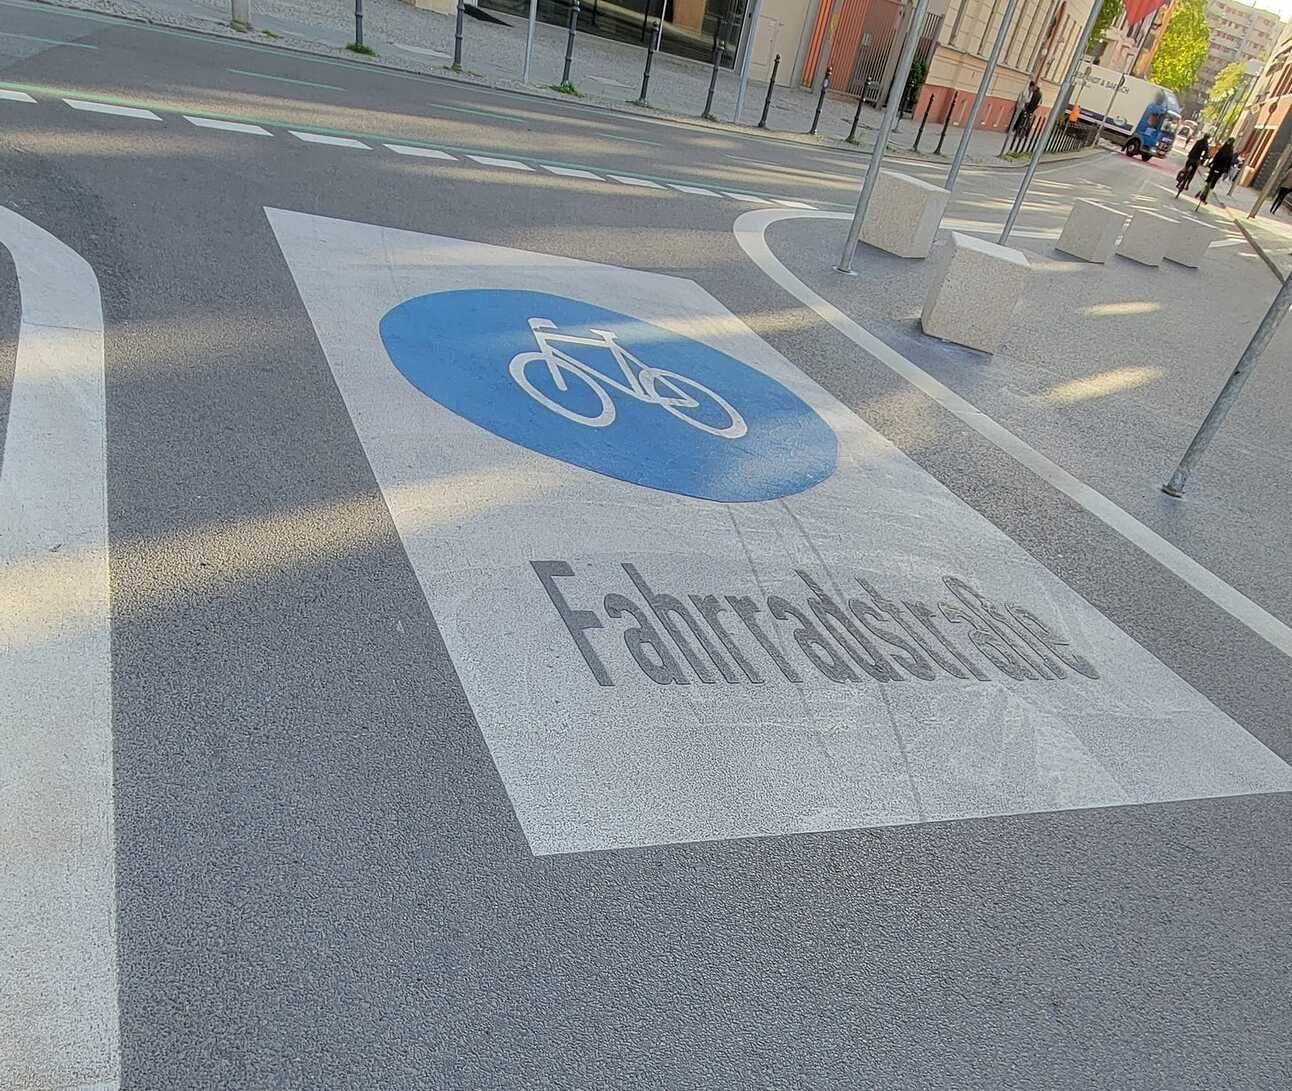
point(678, 398)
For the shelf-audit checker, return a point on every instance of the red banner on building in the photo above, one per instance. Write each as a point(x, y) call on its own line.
point(1139, 10)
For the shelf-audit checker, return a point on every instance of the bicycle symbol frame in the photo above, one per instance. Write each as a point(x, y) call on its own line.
point(652, 385)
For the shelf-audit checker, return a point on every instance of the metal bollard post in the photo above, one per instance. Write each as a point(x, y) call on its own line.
point(569, 44)
point(358, 25)
point(240, 14)
point(856, 120)
point(651, 47)
point(767, 102)
point(457, 37)
point(946, 124)
point(718, 40)
point(1009, 129)
point(920, 131)
point(825, 86)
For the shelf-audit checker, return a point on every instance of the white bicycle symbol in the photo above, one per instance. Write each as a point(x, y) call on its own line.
point(674, 393)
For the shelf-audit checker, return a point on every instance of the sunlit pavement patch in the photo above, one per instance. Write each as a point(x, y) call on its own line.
point(647, 666)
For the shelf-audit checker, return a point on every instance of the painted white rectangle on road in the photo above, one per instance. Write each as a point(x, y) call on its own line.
point(227, 126)
point(111, 108)
point(690, 595)
point(505, 164)
point(629, 180)
point(15, 96)
point(423, 153)
point(570, 172)
point(323, 138)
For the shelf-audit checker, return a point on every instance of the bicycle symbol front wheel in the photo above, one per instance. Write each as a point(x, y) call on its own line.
point(688, 400)
point(559, 373)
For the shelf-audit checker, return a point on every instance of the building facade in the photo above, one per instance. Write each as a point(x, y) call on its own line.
point(1238, 33)
point(1131, 47)
point(1266, 125)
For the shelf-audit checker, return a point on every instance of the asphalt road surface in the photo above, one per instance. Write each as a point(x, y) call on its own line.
point(468, 624)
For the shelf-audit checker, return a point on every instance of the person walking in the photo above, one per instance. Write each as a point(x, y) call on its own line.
point(1220, 164)
point(1285, 187)
point(1024, 120)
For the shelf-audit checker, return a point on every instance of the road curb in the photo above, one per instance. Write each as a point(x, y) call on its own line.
point(338, 56)
point(1260, 250)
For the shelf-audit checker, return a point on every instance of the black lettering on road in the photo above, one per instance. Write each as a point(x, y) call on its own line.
point(576, 621)
point(747, 610)
point(813, 642)
point(642, 637)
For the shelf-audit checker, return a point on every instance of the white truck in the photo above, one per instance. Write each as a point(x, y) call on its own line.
point(1125, 121)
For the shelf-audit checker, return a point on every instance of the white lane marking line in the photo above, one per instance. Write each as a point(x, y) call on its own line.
point(58, 995)
point(284, 79)
point(698, 191)
point(48, 41)
point(748, 198)
point(505, 164)
point(15, 96)
point(629, 180)
point(323, 138)
point(750, 230)
point(425, 153)
point(226, 126)
point(111, 108)
point(571, 172)
point(793, 204)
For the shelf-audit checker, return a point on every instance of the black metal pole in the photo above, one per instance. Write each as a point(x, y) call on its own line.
point(569, 44)
point(920, 131)
point(825, 86)
point(358, 23)
point(650, 56)
point(1009, 129)
point(713, 76)
point(851, 138)
point(946, 123)
point(767, 102)
point(457, 37)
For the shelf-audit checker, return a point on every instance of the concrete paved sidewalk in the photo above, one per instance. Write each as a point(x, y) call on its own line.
point(604, 71)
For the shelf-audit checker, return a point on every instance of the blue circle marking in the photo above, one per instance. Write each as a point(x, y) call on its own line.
point(610, 393)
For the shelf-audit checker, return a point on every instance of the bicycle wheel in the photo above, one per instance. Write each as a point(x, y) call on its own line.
point(676, 401)
point(559, 372)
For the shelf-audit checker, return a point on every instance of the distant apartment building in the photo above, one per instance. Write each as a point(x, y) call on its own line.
point(1131, 47)
point(1238, 33)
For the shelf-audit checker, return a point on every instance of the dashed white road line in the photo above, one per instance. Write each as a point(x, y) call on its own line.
point(323, 138)
point(111, 108)
point(571, 172)
point(505, 164)
point(629, 180)
point(227, 126)
point(424, 153)
point(15, 96)
point(751, 230)
point(58, 973)
point(792, 204)
point(748, 198)
point(697, 191)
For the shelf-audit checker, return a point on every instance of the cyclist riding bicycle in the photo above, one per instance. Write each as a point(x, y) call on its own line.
point(1197, 156)
point(1220, 164)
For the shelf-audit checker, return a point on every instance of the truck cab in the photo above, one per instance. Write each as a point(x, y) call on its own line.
point(1154, 135)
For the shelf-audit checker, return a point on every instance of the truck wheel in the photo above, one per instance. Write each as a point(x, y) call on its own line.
point(1132, 147)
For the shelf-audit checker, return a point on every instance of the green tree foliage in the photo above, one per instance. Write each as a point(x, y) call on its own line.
point(1109, 11)
point(1184, 47)
point(1224, 95)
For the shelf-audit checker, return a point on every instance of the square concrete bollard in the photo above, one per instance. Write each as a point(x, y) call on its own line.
point(1091, 231)
point(1192, 238)
point(1147, 238)
point(904, 214)
point(972, 292)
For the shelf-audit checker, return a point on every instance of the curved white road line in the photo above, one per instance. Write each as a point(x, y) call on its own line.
point(751, 233)
point(58, 969)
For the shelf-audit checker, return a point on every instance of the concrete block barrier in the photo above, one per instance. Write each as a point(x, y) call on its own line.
point(1091, 231)
point(1147, 238)
point(1191, 240)
point(974, 288)
point(904, 214)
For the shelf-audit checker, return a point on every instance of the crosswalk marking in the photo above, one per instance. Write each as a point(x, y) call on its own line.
point(629, 180)
point(697, 191)
point(424, 153)
point(571, 172)
point(15, 96)
point(111, 108)
point(227, 126)
point(505, 164)
point(323, 138)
